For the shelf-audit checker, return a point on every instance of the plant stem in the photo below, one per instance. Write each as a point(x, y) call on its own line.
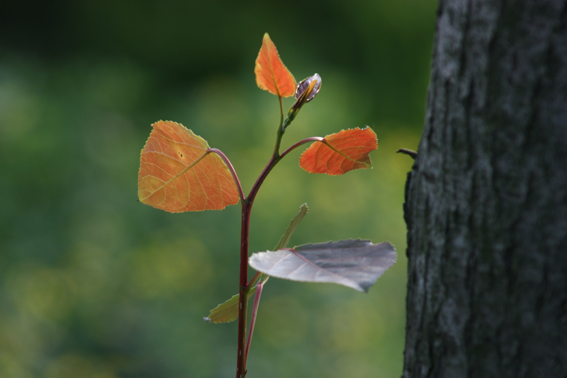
point(257, 297)
point(243, 285)
point(253, 280)
point(244, 238)
point(301, 142)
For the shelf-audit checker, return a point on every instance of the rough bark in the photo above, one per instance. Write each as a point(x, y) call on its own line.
point(486, 201)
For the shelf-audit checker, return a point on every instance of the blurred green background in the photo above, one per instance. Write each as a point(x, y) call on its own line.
point(94, 284)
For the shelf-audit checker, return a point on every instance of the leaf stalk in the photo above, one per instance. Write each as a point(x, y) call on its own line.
point(231, 169)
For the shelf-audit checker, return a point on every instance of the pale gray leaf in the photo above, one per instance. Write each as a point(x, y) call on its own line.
point(353, 263)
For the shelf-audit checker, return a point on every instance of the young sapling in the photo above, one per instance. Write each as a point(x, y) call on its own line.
point(179, 172)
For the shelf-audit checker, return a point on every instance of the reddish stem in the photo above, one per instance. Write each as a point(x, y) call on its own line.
point(301, 142)
point(231, 169)
point(259, 288)
point(243, 293)
point(244, 238)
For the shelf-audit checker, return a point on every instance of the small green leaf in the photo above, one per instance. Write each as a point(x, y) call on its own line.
point(284, 240)
point(227, 311)
point(286, 237)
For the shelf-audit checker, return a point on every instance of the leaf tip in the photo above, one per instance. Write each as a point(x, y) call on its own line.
point(271, 74)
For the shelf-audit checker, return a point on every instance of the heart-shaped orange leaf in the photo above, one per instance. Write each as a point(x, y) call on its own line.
point(178, 173)
point(340, 152)
point(271, 74)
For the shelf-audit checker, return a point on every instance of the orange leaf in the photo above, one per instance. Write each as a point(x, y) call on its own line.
point(178, 174)
point(343, 152)
point(271, 74)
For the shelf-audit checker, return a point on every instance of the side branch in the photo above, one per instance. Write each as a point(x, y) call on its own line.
point(407, 151)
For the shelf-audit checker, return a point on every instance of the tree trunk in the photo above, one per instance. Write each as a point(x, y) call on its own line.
point(486, 201)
